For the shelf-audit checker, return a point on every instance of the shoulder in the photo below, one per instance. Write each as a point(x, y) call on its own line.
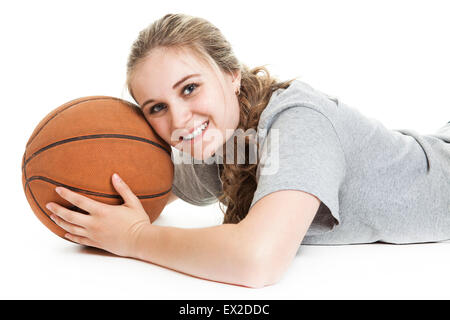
point(298, 94)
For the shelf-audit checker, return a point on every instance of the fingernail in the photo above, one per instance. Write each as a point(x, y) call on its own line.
point(48, 206)
point(116, 176)
point(58, 190)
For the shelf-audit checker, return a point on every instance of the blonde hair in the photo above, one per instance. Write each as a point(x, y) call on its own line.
point(206, 42)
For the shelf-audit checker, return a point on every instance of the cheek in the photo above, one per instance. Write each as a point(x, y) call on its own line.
point(236, 114)
point(204, 106)
point(230, 118)
point(160, 128)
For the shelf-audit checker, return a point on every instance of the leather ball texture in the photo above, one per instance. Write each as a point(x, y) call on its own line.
point(80, 144)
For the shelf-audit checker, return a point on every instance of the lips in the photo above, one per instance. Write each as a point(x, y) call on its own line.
point(192, 130)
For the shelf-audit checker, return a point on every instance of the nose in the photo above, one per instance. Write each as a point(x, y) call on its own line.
point(181, 116)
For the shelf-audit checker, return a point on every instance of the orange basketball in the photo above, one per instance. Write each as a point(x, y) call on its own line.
point(80, 144)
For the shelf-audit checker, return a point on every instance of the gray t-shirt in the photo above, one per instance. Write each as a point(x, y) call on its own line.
point(374, 184)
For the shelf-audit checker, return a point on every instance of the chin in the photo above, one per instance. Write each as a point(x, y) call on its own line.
point(204, 151)
point(199, 155)
point(203, 154)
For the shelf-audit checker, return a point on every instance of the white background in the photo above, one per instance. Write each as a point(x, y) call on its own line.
point(389, 59)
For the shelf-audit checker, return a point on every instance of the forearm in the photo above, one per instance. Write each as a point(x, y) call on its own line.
point(215, 253)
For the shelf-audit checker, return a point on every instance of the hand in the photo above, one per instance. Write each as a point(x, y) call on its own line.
point(114, 228)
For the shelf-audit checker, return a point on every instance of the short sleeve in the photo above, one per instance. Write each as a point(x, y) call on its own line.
point(302, 151)
point(196, 183)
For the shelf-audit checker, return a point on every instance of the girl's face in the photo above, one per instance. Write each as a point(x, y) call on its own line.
point(179, 95)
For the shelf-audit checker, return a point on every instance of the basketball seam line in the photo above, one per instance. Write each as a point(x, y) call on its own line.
point(37, 203)
point(70, 106)
point(95, 136)
point(93, 193)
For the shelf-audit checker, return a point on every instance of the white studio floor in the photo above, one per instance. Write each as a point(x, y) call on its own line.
point(35, 264)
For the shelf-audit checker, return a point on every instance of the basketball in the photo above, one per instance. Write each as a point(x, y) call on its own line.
point(80, 144)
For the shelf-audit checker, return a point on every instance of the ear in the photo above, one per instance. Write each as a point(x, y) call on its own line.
point(237, 78)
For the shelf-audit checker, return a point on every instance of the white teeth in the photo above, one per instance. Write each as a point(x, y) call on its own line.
point(196, 132)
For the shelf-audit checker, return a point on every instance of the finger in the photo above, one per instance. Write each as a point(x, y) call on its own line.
point(80, 240)
point(69, 227)
point(82, 202)
point(124, 190)
point(73, 217)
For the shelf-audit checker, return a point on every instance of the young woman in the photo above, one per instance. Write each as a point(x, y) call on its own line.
point(324, 174)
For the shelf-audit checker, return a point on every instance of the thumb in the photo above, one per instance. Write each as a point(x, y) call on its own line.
point(124, 190)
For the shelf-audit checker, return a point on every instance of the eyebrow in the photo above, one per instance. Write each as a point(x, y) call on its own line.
point(173, 87)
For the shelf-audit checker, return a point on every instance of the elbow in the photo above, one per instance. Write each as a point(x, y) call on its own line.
point(260, 272)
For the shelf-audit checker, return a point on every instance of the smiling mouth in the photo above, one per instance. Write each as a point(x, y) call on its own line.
point(197, 132)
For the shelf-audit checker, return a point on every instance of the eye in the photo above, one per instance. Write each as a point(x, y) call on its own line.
point(190, 85)
point(158, 108)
